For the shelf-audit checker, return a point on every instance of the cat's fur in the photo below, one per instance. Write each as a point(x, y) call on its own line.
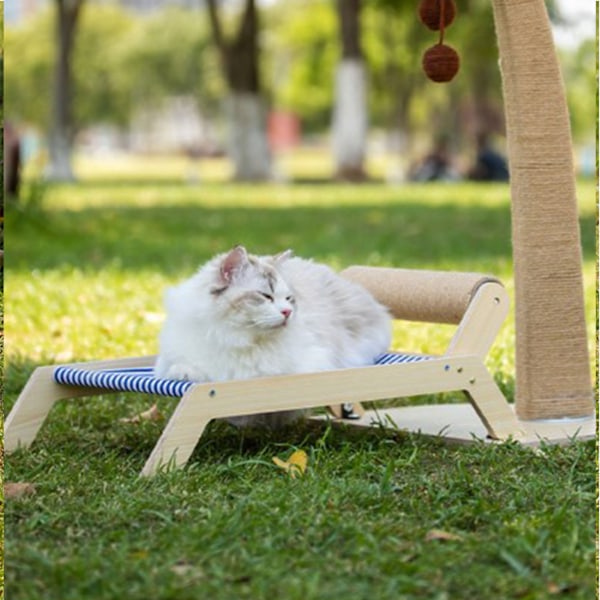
point(243, 316)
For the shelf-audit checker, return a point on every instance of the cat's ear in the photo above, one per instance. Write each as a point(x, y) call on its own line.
point(233, 263)
point(283, 256)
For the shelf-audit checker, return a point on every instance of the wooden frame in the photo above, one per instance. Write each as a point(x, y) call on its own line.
point(460, 368)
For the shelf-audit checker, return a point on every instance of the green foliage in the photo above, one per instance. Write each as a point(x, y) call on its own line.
point(102, 81)
point(100, 94)
point(579, 71)
point(123, 62)
point(303, 50)
point(302, 44)
point(28, 70)
point(394, 41)
point(120, 64)
point(171, 53)
point(2, 69)
point(473, 34)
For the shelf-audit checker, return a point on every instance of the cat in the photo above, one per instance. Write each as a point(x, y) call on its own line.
point(243, 316)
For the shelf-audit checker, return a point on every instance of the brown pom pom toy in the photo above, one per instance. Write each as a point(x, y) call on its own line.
point(441, 63)
point(430, 13)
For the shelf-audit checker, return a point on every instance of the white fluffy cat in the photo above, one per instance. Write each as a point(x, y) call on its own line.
point(243, 316)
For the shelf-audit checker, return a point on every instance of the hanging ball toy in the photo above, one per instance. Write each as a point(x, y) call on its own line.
point(430, 13)
point(440, 63)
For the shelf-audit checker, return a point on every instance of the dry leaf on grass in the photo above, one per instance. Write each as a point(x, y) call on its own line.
point(555, 589)
point(295, 465)
point(445, 536)
point(182, 568)
point(152, 414)
point(18, 490)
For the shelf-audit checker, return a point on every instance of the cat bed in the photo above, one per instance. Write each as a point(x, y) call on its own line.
point(142, 379)
point(477, 304)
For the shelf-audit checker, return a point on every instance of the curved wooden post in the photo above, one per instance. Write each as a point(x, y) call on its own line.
point(552, 360)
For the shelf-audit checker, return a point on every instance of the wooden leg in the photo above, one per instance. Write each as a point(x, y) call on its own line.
point(31, 409)
point(41, 392)
point(38, 397)
point(491, 406)
point(178, 439)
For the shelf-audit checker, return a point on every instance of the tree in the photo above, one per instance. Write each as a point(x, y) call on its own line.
point(143, 62)
point(101, 87)
point(103, 81)
point(302, 55)
point(28, 71)
point(61, 129)
point(248, 144)
point(350, 122)
point(170, 53)
point(394, 41)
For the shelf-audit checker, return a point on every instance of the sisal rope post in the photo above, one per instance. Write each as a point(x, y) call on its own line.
point(420, 295)
point(552, 361)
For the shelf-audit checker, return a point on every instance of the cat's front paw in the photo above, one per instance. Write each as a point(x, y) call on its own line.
point(184, 372)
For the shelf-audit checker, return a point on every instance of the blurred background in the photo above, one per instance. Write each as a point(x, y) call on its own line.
point(257, 90)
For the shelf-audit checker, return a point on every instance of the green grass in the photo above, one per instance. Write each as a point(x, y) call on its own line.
point(85, 274)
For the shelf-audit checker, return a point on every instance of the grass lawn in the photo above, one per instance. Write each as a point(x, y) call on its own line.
point(85, 274)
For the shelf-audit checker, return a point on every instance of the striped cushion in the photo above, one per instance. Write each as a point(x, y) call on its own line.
point(139, 379)
point(395, 358)
point(142, 379)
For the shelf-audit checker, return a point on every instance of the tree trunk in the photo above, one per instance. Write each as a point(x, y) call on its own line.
point(248, 143)
point(12, 162)
point(61, 129)
point(350, 120)
point(349, 128)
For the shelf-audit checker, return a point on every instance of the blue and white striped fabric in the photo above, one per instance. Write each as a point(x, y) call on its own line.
point(139, 379)
point(142, 379)
point(395, 358)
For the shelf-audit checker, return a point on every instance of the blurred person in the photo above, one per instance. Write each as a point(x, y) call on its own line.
point(489, 165)
point(437, 165)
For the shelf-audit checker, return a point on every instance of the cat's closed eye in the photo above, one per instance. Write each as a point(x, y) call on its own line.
point(266, 296)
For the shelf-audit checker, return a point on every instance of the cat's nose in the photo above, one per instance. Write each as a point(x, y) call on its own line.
point(286, 312)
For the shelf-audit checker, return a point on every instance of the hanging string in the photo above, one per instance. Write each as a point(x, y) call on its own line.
point(440, 62)
point(442, 20)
